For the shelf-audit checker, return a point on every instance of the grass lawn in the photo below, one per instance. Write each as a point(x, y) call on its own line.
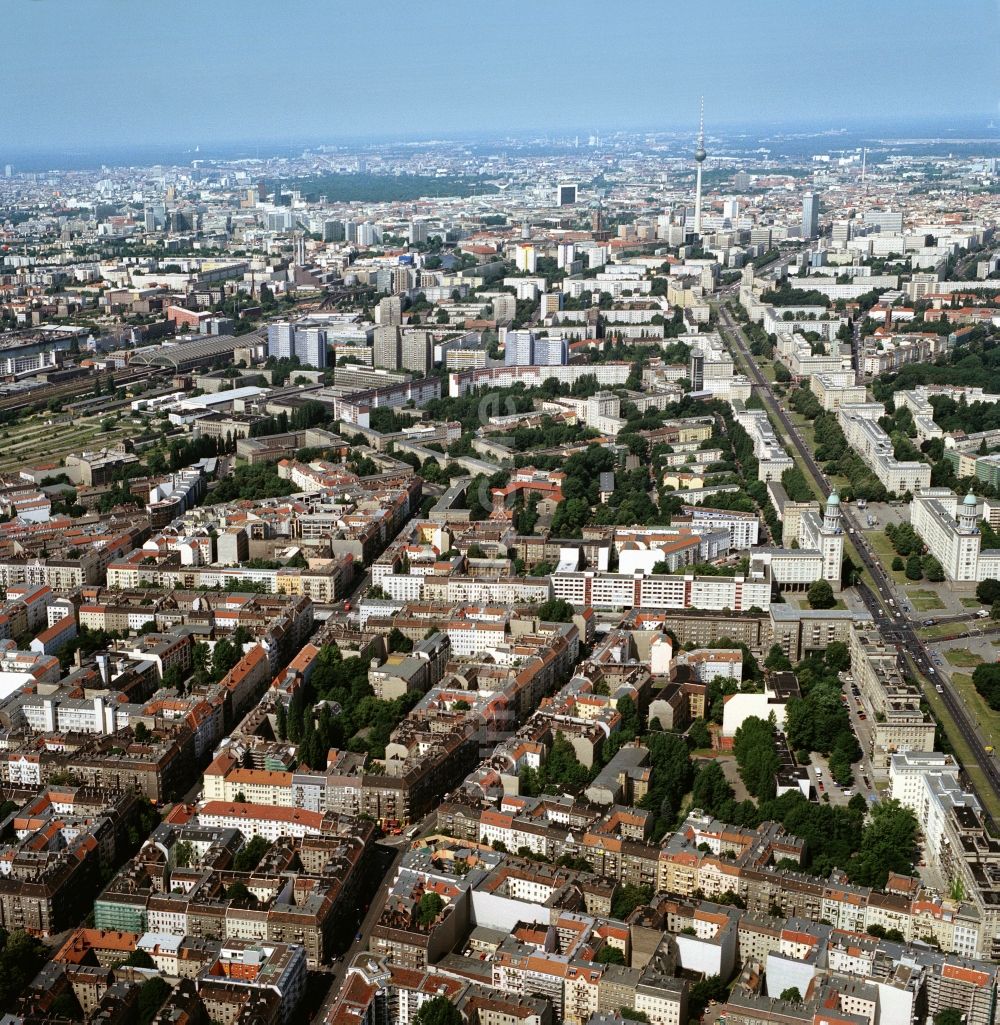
point(924, 601)
point(941, 631)
point(971, 603)
point(962, 658)
point(981, 712)
point(882, 547)
point(989, 797)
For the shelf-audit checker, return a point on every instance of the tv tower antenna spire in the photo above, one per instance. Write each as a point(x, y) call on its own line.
point(699, 157)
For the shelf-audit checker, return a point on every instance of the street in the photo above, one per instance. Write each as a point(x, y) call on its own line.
point(892, 624)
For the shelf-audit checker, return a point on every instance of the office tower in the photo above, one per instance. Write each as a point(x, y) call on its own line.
point(8, 171)
point(300, 251)
point(310, 347)
point(367, 234)
point(566, 195)
point(504, 307)
point(350, 231)
point(518, 348)
point(550, 352)
point(333, 231)
point(417, 352)
point(279, 220)
point(387, 350)
point(731, 209)
point(810, 215)
point(403, 279)
point(389, 311)
point(565, 254)
point(699, 159)
point(741, 181)
point(696, 370)
point(842, 231)
point(526, 258)
point(418, 232)
point(281, 340)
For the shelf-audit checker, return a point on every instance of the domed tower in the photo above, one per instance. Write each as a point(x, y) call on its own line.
point(831, 514)
point(699, 158)
point(968, 513)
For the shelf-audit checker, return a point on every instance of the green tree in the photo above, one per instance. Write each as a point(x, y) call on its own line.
point(250, 855)
point(152, 994)
point(239, 892)
point(756, 756)
point(428, 908)
point(704, 991)
point(988, 591)
point(838, 657)
point(139, 959)
point(820, 595)
point(791, 994)
point(888, 844)
point(711, 790)
point(777, 660)
point(398, 641)
point(555, 611)
point(438, 1010)
point(933, 569)
point(949, 1016)
point(699, 735)
point(610, 955)
point(627, 898)
point(914, 569)
point(184, 854)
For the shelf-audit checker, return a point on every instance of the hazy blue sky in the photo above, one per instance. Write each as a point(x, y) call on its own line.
point(114, 72)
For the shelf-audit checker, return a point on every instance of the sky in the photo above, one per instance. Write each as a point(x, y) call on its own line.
point(115, 73)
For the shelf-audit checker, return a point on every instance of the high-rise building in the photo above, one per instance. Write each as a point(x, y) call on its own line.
point(333, 231)
point(741, 181)
point(525, 258)
point(566, 195)
point(504, 307)
point(387, 350)
point(517, 350)
point(810, 215)
point(417, 352)
point(699, 159)
point(279, 220)
point(310, 346)
point(549, 352)
point(366, 234)
point(389, 311)
point(696, 370)
point(281, 340)
point(8, 171)
point(418, 232)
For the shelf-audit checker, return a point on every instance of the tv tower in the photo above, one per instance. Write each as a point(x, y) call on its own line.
point(699, 159)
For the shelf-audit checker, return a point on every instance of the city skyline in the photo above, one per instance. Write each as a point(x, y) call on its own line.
point(333, 77)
